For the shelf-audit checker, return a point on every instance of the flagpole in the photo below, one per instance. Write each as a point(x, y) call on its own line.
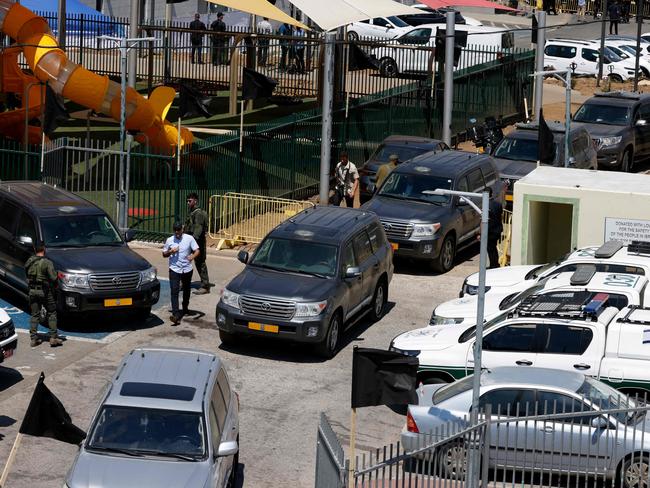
point(10, 459)
point(42, 154)
point(241, 127)
point(352, 466)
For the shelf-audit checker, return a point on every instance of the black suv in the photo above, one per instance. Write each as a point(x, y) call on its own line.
point(433, 227)
point(97, 270)
point(619, 124)
point(310, 277)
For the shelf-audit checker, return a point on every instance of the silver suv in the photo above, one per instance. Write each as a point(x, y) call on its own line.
point(154, 429)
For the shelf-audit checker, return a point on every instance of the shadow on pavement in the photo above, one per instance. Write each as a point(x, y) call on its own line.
point(8, 378)
point(417, 267)
point(103, 322)
point(239, 479)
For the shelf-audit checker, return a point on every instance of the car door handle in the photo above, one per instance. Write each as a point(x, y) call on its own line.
point(581, 366)
point(524, 362)
point(548, 429)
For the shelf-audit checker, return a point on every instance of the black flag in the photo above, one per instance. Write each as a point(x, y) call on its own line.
point(193, 103)
point(55, 111)
point(545, 142)
point(46, 417)
point(256, 85)
point(533, 32)
point(360, 60)
point(383, 378)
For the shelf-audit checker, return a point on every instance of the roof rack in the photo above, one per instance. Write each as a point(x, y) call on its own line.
point(629, 319)
point(619, 94)
point(638, 247)
point(573, 305)
point(608, 249)
point(583, 275)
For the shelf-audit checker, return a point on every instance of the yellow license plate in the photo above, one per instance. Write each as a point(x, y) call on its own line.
point(509, 198)
point(394, 246)
point(118, 302)
point(274, 329)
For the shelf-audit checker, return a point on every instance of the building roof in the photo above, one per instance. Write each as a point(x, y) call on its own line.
point(581, 180)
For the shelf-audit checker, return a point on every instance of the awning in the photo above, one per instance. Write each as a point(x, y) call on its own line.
point(330, 14)
point(261, 8)
point(466, 3)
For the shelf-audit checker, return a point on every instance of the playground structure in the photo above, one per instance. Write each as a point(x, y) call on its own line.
point(49, 64)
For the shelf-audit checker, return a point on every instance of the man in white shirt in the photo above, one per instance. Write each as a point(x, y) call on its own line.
point(181, 249)
point(347, 181)
point(264, 27)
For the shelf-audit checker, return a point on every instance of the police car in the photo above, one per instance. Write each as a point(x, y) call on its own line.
point(612, 257)
point(8, 336)
point(622, 287)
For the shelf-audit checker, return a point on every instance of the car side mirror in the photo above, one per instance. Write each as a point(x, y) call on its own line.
point(352, 272)
point(26, 241)
point(129, 235)
point(641, 122)
point(599, 423)
point(389, 26)
point(227, 448)
point(242, 256)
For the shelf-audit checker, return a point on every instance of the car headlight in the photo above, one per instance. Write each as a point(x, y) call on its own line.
point(229, 298)
point(148, 275)
point(473, 289)
point(424, 230)
point(438, 320)
point(409, 352)
point(310, 309)
point(72, 280)
point(610, 141)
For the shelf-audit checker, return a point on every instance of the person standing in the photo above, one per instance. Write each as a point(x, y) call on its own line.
point(582, 4)
point(285, 31)
point(42, 279)
point(495, 228)
point(347, 181)
point(196, 38)
point(299, 50)
point(219, 42)
point(181, 249)
point(196, 225)
point(265, 28)
point(625, 11)
point(614, 12)
point(385, 169)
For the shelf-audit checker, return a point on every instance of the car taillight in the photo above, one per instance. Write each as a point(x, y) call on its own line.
point(411, 426)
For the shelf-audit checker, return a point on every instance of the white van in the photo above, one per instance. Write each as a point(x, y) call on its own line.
point(484, 44)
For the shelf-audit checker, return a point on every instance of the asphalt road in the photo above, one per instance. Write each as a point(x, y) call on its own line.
point(283, 387)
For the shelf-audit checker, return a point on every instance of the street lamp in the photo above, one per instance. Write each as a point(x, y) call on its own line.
point(125, 44)
point(480, 309)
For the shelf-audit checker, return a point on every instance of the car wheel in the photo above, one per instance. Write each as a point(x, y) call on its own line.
point(445, 260)
point(379, 301)
point(645, 72)
point(453, 461)
point(636, 470)
point(616, 78)
point(626, 161)
point(388, 68)
point(228, 338)
point(329, 346)
point(353, 36)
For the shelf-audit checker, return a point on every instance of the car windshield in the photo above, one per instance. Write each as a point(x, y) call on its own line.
point(595, 113)
point(517, 149)
point(79, 231)
point(145, 431)
point(452, 389)
point(619, 52)
point(410, 186)
point(515, 298)
point(296, 255)
point(398, 22)
point(471, 332)
point(607, 398)
point(628, 49)
point(612, 56)
point(404, 152)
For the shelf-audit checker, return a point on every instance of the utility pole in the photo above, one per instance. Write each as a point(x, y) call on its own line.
point(539, 67)
point(61, 20)
point(639, 24)
point(448, 100)
point(602, 44)
point(326, 135)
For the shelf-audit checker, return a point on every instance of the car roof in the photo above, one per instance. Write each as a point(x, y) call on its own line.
point(448, 164)
point(581, 42)
point(163, 370)
point(621, 256)
point(600, 281)
point(534, 377)
point(324, 224)
point(625, 98)
point(46, 200)
point(416, 141)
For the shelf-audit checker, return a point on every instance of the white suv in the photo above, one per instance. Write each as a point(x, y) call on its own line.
point(561, 54)
point(380, 28)
point(628, 53)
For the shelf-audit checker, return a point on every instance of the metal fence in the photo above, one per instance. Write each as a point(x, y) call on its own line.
point(331, 469)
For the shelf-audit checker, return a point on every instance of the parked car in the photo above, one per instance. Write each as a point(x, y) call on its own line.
point(611, 257)
point(619, 123)
point(601, 440)
point(431, 16)
point(626, 50)
point(169, 418)
point(433, 227)
point(310, 278)
point(394, 60)
point(8, 336)
point(518, 152)
point(406, 147)
point(562, 54)
point(378, 28)
point(97, 270)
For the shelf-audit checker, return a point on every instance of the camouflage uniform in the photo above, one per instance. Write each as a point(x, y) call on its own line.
point(196, 225)
point(41, 277)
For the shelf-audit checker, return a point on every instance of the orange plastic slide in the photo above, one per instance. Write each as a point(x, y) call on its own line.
point(49, 64)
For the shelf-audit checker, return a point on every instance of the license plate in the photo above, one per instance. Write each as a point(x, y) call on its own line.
point(394, 245)
point(118, 302)
point(509, 198)
point(7, 353)
point(274, 329)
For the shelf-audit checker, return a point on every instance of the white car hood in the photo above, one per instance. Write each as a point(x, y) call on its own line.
point(429, 338)
point(500, 277)
point(465, 307)
point(4, 317)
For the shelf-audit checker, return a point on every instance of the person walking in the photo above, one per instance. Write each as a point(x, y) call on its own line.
point(285, 44)
point(299, 50)
point(264, 27)
point(625, 11)
point(219, 43)
point(614, 12)
point(495, 228)
point(196, 226)
point(347, 181)
point(196, 39)
point(42, 279)
point(385, 169)
point(181, 249)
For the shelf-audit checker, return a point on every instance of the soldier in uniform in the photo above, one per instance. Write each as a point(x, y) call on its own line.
point(196, 225)
point(42, 278)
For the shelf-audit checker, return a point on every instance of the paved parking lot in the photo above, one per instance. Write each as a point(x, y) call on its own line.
point(282, 387)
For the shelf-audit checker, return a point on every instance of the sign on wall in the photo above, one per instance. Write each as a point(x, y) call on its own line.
point(626, 230)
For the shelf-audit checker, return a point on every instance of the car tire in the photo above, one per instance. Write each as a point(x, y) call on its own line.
point(228, 338)
point(379, 300)
point(328, 348)
point(626, 161)
point(445, 259)
point(616, 78)
point(388, 68)
point(353, 36)
point(452, 460)
point(635, 471)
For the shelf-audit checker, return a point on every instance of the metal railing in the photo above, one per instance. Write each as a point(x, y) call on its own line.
point(331, 469)
point(247, 218)
point(503, 246)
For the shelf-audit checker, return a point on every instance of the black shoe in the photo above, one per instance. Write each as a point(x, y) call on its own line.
point(175, 319)
point(186, 311)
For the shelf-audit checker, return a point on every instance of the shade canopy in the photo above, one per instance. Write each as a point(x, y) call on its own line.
point(71, 7)
point(330, 14)
point(261, 8)
point(465, 3)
